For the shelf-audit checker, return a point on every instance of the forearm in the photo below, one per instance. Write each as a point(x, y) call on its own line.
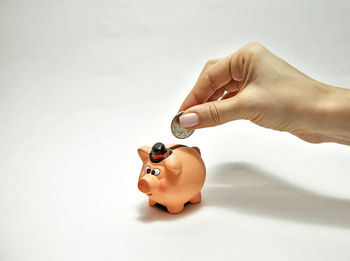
point(333, 119)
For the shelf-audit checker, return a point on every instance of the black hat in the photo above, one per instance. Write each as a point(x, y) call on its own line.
point(159, 152)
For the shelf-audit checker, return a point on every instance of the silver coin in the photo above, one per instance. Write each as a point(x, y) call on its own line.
point(177, 130)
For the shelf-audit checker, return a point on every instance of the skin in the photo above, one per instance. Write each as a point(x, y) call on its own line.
point(256, 85)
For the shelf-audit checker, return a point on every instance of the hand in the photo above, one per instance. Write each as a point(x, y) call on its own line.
point(254, 84)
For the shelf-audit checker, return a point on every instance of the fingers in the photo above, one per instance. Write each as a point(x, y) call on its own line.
point(217, 95)
point(202, 105)
point(232, 86)
point(228, 69)
point(212, 114)
point(201, 90)
point(215, 75)
point(229, 95)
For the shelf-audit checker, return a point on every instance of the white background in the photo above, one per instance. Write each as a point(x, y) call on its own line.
point(83, 84)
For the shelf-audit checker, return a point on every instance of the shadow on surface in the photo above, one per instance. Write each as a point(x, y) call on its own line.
point(246, 188)
point(160, 213)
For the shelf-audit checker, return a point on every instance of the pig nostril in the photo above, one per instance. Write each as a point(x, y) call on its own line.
point(144, 186)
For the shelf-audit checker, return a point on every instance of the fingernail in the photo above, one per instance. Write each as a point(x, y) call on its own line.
point(189, 120)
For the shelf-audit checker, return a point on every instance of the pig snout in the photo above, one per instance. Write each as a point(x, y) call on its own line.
point(148, 184)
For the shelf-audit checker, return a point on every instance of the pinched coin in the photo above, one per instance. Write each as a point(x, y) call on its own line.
point(177, 130)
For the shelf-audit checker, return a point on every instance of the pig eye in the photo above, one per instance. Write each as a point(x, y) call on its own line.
point(155, 172)
point(148, 169)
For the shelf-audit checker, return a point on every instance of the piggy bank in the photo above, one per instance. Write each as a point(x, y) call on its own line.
point(171, 175)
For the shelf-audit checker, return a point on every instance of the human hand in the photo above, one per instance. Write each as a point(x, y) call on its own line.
point(254, 84)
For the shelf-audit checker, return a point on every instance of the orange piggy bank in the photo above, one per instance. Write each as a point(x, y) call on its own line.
point(172, 175)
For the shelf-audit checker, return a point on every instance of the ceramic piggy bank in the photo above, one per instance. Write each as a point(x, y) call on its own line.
point(171, 175)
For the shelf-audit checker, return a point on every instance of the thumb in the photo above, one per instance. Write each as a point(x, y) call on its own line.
point(211, 114)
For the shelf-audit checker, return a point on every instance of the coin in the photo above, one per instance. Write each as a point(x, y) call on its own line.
point(177, 130)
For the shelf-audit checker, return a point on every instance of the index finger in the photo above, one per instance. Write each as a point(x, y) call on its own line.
point(211, 79)
point(196, 94)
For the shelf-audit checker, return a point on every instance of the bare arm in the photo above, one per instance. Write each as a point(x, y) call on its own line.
point(256, 85)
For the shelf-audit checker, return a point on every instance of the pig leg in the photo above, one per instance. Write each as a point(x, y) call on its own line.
point(151, 202)
point(197, 198)
point(174, 209)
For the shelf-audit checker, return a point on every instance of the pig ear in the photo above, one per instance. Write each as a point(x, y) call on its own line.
point(197, 149)
point(173, 165)
point(143, 152)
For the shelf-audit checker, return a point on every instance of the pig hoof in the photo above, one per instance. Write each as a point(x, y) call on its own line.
point(151, 202)
point(175, 209)
point(197, 198)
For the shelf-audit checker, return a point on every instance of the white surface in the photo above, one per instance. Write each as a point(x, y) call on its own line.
point(83, 84)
